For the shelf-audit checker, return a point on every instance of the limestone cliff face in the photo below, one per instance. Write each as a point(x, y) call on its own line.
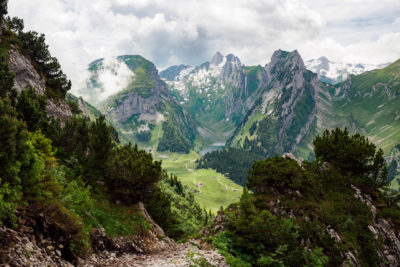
point(382, 229)
point(27, 76)
point(82, 106)
point(291, 76)
point(218, 93)
point(140, 105)
point(131, 103)
point(283, 108)
point(145, 101)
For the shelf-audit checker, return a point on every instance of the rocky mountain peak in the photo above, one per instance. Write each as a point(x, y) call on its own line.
point(233, 60)
point(283, 60)
point(217, 59)
point(323, 59)
point(173, 73)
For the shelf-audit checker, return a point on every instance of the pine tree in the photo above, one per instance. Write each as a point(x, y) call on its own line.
point(14, 152)
point(3, 7)
point(100, 147)
point(206, 217)
point(31, 108)
point(6, 80)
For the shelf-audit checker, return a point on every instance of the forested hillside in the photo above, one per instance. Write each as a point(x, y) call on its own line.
point(65, 175)
point(333, 211)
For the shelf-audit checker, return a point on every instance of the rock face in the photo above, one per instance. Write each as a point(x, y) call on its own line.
point(382, 229)
point(83, 107)
point(139, 105)
point(26, 76)
point(22, 248)
point(175, 73)
point(131, 103)
point(285, 110)
point(218, 92)
point(146, 99)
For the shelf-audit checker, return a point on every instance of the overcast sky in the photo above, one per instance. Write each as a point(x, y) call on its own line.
point(171, 32)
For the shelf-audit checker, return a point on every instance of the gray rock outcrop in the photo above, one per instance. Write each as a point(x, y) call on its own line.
point(26, 76)
point(382, 229)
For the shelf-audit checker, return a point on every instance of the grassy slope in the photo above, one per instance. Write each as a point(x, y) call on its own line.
point(244, 132)
point(212, 195)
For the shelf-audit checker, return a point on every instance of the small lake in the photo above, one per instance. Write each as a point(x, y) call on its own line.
point(212, 147)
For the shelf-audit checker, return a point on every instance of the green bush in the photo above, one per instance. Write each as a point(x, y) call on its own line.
point(144, 136)
point(351, 155)
point(173, 139)
point(275, 173)
point(3, 7)
point(131, 174)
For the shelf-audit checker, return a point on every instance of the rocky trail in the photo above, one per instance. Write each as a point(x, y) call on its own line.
point(26, 246)
point(186, 254)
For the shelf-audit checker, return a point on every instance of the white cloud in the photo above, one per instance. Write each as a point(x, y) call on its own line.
point(113, 75)
point(190, 31)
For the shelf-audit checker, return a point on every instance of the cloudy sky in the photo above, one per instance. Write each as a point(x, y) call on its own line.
point(171, 32)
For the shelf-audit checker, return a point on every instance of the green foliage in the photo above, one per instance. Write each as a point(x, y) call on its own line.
point(392, 170)
point(175, 209)
point(31, 108)
point(75, 195)
point(142, 83)
point(33, 44)
point(38, 182)
point(173, 139)
point(260, 238)
point(284, 223)
point(3, 7)
point(16, 24)
point(233, 162)
point(197, 260)
point(9, 199)
point(275, 173)
point(351, 155)
point(100, 147)
point(144, 136)
point(13, 155)
point(6, 79)
point(131, 174)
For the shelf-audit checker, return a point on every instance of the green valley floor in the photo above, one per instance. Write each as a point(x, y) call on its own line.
point(211, 189)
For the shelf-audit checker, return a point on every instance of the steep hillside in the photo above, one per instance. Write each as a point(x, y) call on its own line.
point(33, 67)
point(143, 109)
point(333, 211)
point(286, 110)
point(68, 189)
point(293, 106)
point(218, 93)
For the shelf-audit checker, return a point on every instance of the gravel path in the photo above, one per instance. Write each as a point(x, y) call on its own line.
point(176, 255)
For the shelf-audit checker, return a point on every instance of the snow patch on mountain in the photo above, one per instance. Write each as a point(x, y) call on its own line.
point(204, 78)
point(333, 72)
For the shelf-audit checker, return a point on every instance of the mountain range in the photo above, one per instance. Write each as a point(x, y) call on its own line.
point(272, 109)
point(333, 72)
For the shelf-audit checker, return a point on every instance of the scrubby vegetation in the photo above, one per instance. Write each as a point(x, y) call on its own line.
point(34, 46)
point(232, 162)
point(75, 173)
point(284, 220)
point(173, 138)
